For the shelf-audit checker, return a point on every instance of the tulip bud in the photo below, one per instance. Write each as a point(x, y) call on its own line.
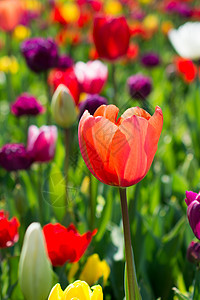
point(35, 273)
point(63, 107)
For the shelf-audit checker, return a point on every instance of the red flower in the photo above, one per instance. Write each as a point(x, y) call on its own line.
point(8, 230)
point(111, 36)
point(65, 244)
point(66, 77)
point(186, 68)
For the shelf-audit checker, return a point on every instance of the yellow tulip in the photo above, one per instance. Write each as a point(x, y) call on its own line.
point(151, 22)
point(79, 290)
point(94, 269)
point(70, 12)
point(9, 64)
point(21, 32)
point(113, 7)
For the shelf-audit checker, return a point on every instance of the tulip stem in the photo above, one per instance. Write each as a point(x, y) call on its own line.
point(196, 292)
point(48, 95)
point(93, 196)
point(133, 289)
point(114, 83)
point(40, 199)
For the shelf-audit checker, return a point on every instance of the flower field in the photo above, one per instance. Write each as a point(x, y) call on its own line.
point(99, 149)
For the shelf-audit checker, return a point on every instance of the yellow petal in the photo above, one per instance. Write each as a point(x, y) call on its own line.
point(97, 293)
point(79, 289)
point(56, 293)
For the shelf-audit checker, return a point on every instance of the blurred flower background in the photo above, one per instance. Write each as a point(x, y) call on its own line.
point(61, 228)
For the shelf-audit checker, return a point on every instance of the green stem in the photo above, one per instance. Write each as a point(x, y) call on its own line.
point(92, 199)
point(40, 199)
point(67, 143)
point(114, 83)
point(133, 289)
point(196, 293)
point(49, 96)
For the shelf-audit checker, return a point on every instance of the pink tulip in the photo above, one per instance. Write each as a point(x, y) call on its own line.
point(42, 142)
point(91, 76)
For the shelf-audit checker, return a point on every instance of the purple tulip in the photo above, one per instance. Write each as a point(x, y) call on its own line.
point(40, 54)
point(139, 86)
point(193, 252)
point(15, 157)
point(42, 142)
point(193, 211)
point(150, 60)
point(64, 62)
point(91, 104)
point(26, 104)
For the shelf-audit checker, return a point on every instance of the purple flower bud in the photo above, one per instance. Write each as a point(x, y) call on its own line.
point(150, 60)
point(91, 104)
point(64, 62)
point(139, 86)
point(193, 252)
point(193, 212)
point(40, 54)
point(26, 104)
point(15, 157)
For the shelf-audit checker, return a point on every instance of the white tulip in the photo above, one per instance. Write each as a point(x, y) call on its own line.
point(35, 271)
point(186, 40)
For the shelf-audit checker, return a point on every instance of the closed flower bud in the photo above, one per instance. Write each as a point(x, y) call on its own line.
point(35, 273)
point(63, 107)
point(193, 252)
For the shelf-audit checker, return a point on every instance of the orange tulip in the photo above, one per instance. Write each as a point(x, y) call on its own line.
point(119, 152)
point(10, 14)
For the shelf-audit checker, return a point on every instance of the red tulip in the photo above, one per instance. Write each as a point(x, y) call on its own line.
point(186, 68)
point(65, 244)
point(111, 36)
point(10, 14)
point(8, 230)
point(119, 151)
point(66, 77)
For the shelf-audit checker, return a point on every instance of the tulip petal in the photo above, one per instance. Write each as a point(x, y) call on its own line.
point(56, 293)
point(190, 197)
point(136, 111)
point(109, 112)
point(78, 289)
point(97, 293)
point(95, 136)
point(155, 124)
point(127, 151)
point(193, 213)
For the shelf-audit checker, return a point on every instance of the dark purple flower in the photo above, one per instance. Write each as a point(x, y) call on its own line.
point(91, 104)
point(139, 86)
point(150, 60)
point(15, 157)
point(193, 212)
point(193, 252)
point(26, 104)
point(41, 54)
point(64, 62)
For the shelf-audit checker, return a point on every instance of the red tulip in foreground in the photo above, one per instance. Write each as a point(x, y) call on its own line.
point(111, 36)
point(8, 230)
point(65, 244)
point(119, 151)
